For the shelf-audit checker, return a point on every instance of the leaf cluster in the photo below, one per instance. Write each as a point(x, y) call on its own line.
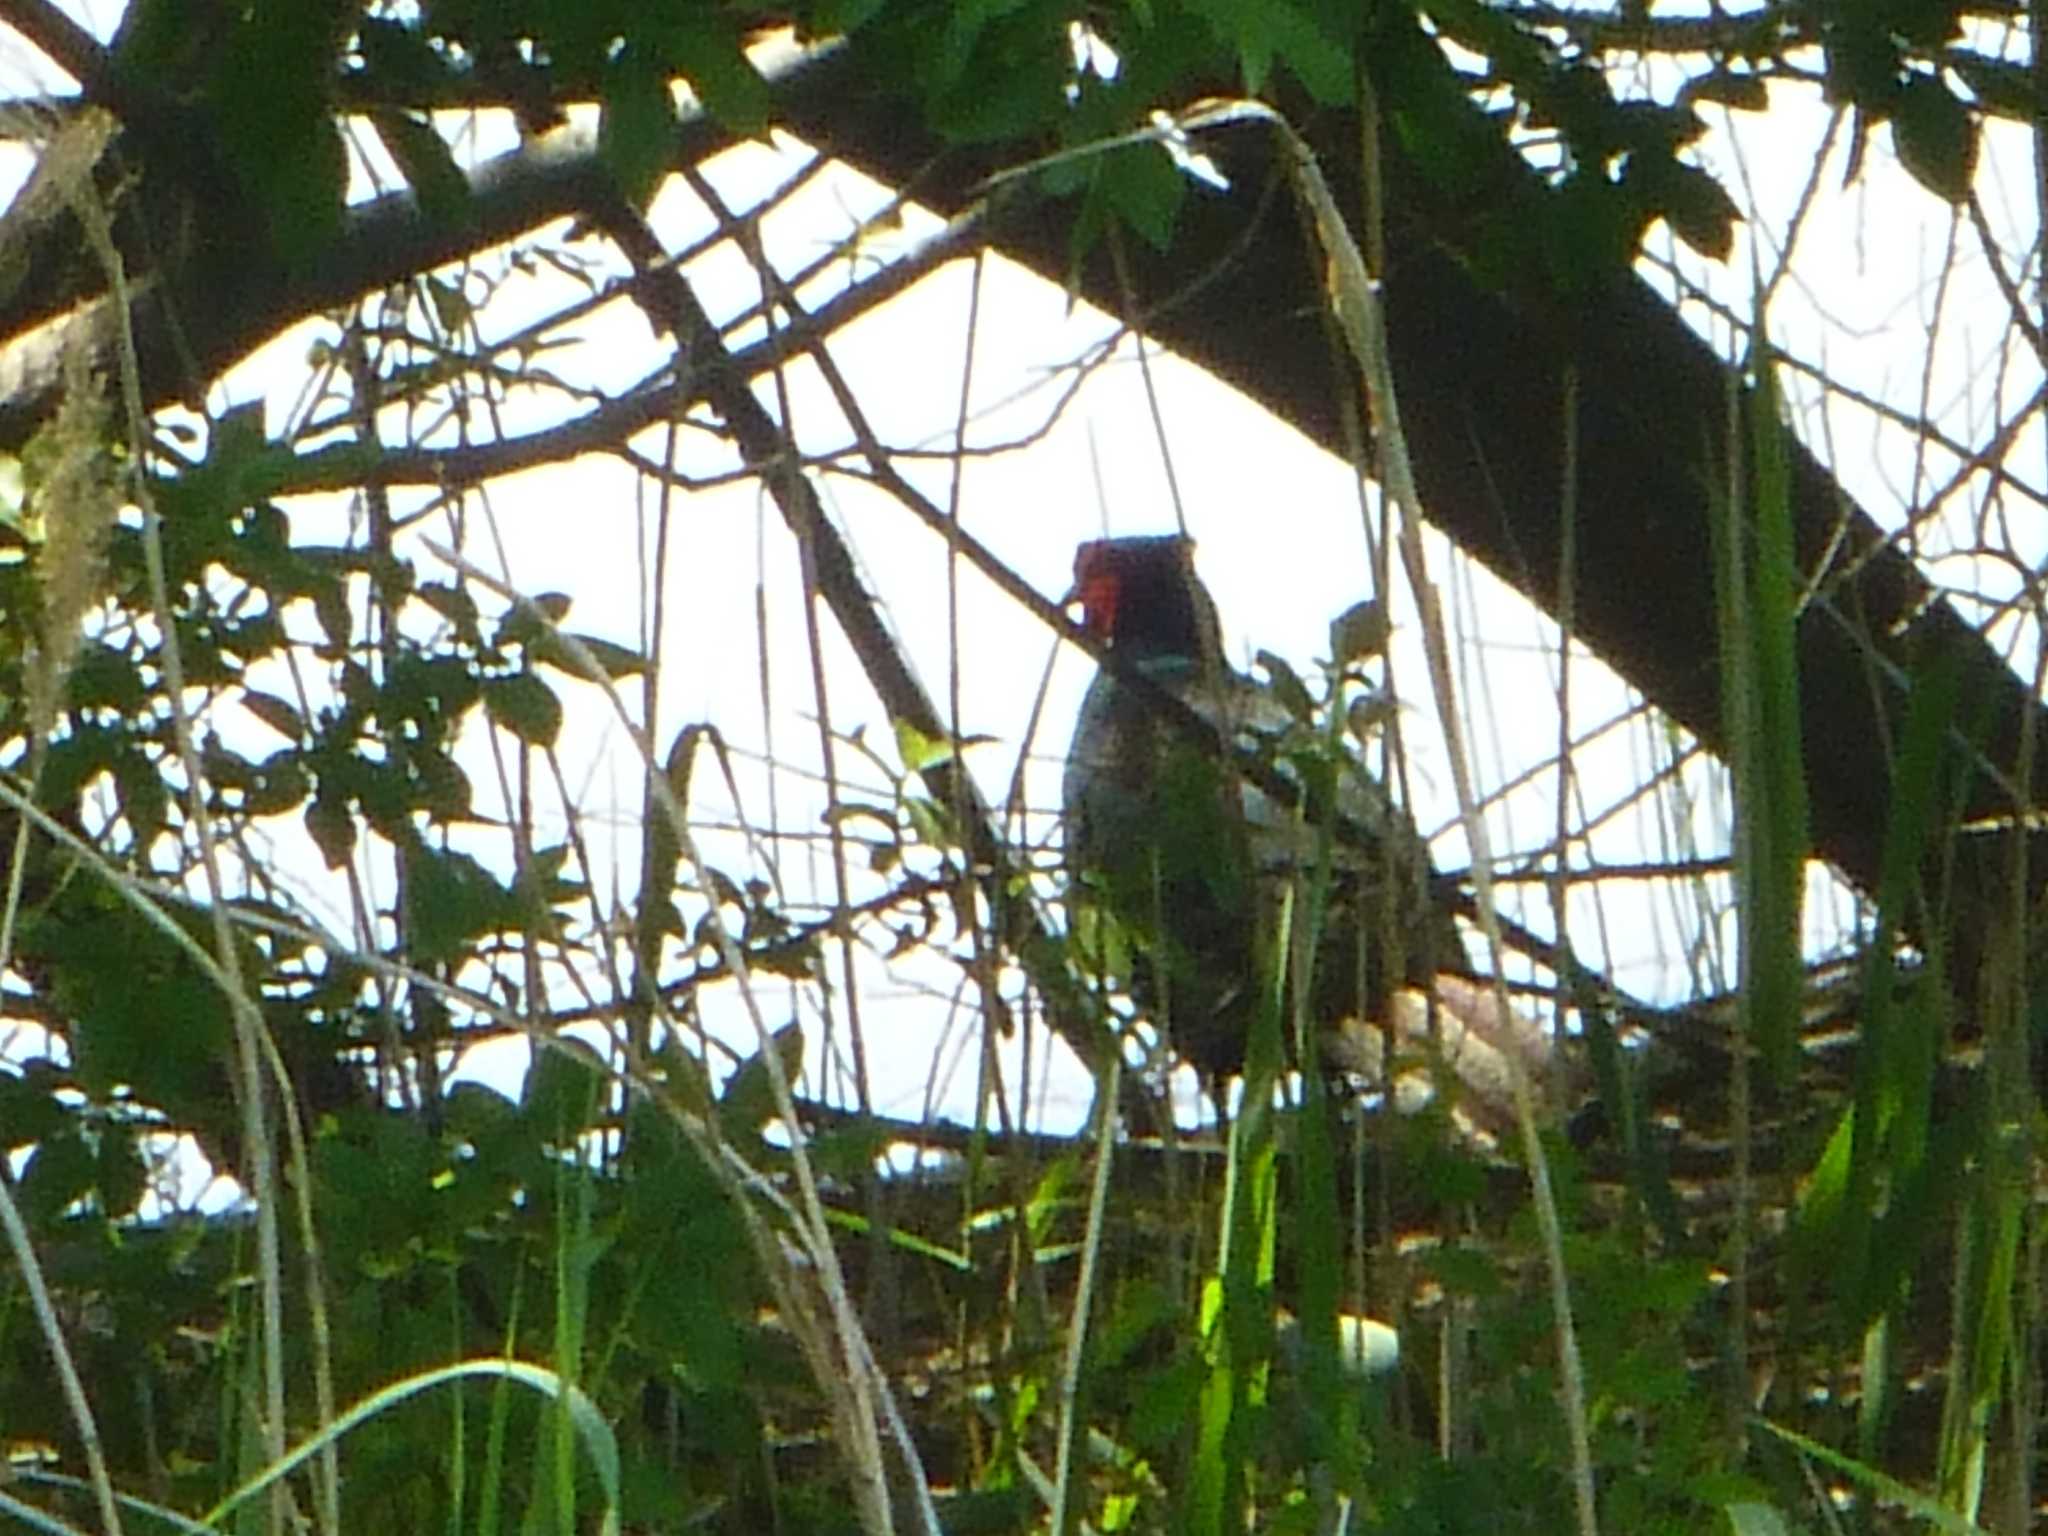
point(579, 1217)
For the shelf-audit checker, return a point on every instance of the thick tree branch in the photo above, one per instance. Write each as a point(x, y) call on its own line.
point(609, 426)
point(763, 444)
point(67, 45)
point(384, 241)
point(1483, 375)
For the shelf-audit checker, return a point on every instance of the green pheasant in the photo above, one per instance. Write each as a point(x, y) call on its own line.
point(1180, 845)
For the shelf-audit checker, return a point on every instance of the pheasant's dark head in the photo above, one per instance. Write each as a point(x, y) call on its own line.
point(1142, 597)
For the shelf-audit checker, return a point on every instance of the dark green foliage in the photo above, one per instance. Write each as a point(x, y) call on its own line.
point(579, 1225)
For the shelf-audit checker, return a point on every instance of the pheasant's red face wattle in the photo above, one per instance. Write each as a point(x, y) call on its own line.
point(1134, 585)
point(1100, 587)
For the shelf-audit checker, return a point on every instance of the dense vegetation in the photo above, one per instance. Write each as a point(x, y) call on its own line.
point(1720, 1270)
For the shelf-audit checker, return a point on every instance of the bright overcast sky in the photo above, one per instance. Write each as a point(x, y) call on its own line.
point(1278, 524)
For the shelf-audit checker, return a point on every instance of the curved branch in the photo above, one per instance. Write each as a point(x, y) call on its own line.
point(1482, 371)
point(64, 42)
point(193, 321)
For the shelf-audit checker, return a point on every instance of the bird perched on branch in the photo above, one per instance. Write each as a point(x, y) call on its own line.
point(1187, 826)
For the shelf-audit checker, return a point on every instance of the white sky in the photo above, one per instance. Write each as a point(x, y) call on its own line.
point(1278, 525)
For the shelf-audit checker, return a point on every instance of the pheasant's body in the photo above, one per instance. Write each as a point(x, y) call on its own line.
point(1193, 859)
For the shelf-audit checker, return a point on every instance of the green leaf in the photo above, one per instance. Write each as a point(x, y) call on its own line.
point(748, 1102)
point(684, 1079)
point(144, 797)
point(458, 607)
point(615, 661)
point(281, 784)
point(399, 58)
point(438, 786)
point(961, 38)
point(1755, 1520)
point(713, 57)
point(271, 90)
point(1319, 61)
point(931, 822)
point(1015, 103)
point(1359, 633)
point(636, 133)
point(1880, 1483)
point(142, 1014)
point(60, 1173)
point(834, 17)
point(533, 619)
point(454, 900)
point(1465, 1270)
point(525, 706)
point(565, 1086)
point(200, 504)
point(31, 1108)
point(990, 70)
point(1280, 29)
point(74, 760)
point(917, 750)
point(1740, 93)
point(106, 678)
point(2003, 86)
point(1166, 1401)
point(796, 958)
point(1145, 188)
point(119, 1172)
point(1287, 686)
point(1429, 110)
point(851, 1151)
point(1697, 206)
point(332, 827)
point(1925, 24)
point(329, 596)
point(1936, 137)
point(1367, 715)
